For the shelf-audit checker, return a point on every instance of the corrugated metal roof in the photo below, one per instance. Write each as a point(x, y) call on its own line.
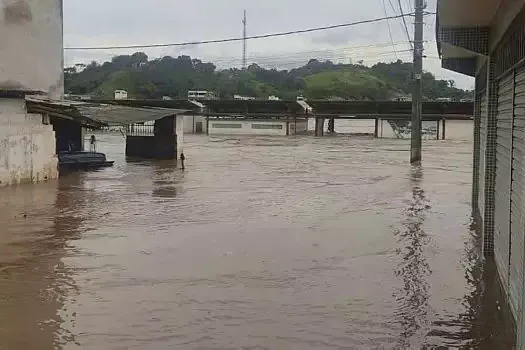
point(97, 114)
point(122, 115)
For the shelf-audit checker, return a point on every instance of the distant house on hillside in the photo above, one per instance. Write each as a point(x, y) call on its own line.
point(121, 95)
point(201, 95)
point(243, 98)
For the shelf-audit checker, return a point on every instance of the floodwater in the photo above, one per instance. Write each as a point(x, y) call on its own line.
point(261, 243)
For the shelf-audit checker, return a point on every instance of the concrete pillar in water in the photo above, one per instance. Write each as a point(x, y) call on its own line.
point(319, 126)
point(376, 128)
point(443, 133)
point(331, 125)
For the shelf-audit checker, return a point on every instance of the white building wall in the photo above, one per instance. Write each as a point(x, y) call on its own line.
point(459, 130)
point(31, 60)
point(31, 55)
point(121, 95)
point(179, 130)
point(27, 147)
point(191, 124)
point(297, 127)
point(244, 127)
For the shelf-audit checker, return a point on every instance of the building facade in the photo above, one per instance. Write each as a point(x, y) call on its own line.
point(269, 127)
point(121, 95)
point(485, 40)
point(31, 63)
point(201, 95)
point(195, 124)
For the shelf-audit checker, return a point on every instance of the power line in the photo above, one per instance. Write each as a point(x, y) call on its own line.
point(285, 60)
point(404, 22)
point(389, 29)
point(262, 36)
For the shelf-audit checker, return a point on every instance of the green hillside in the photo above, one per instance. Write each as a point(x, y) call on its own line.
point(169, 76)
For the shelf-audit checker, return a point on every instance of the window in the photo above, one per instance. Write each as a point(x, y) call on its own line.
point(267, 126)
point(226, 126)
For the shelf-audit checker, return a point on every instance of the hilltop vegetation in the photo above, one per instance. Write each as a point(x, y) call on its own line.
point(169, 76)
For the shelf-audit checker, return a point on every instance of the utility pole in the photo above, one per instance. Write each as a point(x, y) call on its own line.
point(244, 41)
point(415, 135)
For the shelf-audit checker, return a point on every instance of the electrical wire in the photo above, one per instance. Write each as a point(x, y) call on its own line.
point(404, 23)
point(388, 25)
point(262, 36)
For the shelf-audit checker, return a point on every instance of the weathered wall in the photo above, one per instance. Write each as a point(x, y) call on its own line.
point(31, 55)
point(179, 132)
point(461, 130)
point(166, 143)
point(31, 61)
point(238, 127)
point(191, 124)
point(297, 127)
point(27, 147)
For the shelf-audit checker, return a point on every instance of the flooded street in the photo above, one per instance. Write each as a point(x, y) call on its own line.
point(261, 243)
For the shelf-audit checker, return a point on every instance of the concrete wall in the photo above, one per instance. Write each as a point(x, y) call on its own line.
point(27, 147)
point(191, 124)
point(179, 131)
point(31, 61)
point(459, 130)
point(167, 142)
point(297, 127)
point(31, 55)
point(246, 127)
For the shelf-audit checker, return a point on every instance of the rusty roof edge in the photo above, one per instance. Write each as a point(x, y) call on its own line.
point(80, 111)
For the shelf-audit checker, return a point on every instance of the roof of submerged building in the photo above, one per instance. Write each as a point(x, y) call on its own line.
point(97, 115)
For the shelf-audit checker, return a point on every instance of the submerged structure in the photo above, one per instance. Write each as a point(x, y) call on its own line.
point(255, 117)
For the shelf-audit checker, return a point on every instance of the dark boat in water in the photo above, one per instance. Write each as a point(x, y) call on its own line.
point(82, 160)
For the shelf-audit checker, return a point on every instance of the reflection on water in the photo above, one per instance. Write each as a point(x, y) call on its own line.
point(33, 280)
point(414, 270)
point(278, 243)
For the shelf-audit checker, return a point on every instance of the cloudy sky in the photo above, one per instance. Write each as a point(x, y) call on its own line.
point(141, 22)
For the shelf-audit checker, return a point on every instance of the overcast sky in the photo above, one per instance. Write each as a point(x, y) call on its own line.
point(137, 22)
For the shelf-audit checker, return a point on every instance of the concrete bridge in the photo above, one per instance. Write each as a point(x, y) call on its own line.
point(392, 112)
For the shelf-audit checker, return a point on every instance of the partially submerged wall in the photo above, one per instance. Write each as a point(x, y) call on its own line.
point(179, 132)
point(31, 62)
point(27, 147)
point(164, 143)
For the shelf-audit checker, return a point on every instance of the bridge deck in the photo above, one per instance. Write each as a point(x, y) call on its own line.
point(332, 109)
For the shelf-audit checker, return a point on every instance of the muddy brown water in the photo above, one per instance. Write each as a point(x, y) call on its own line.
point(261, 243)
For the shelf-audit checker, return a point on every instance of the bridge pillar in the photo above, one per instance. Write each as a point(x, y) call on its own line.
point(331, 125)
point(443, 129)
point(376, 128)
point(319, 126)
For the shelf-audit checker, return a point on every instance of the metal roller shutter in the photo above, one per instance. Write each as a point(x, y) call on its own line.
point(482, 147)
point(503, 173)
point(517, 208)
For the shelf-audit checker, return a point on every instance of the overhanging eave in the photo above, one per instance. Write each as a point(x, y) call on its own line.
point(465, 66)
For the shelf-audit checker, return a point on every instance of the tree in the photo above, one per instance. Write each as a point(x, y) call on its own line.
point(174, 76)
